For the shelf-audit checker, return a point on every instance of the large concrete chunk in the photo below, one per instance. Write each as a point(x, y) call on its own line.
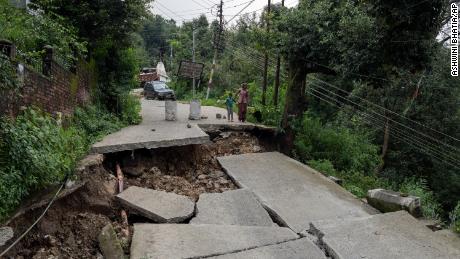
point(160, 134)
point(389, 201)
point(194, 241)
point(237, 207)
point(159, 206)
point(297, 249)
point(383, 236)
point(292, 191)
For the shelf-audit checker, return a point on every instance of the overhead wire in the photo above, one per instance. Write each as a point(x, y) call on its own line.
point(384, 119)
point(388, 118)
point(398, 133)
point(244, 8)
point(388, 110)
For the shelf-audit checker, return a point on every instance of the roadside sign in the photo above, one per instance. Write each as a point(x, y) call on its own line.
point(190, 69)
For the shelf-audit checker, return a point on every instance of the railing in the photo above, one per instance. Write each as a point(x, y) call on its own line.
point(33, 62)
point(62, 60)
point(38, 61)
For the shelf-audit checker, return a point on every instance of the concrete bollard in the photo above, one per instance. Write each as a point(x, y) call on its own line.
point(389, 201)
point(195, 110)
point(170, 110)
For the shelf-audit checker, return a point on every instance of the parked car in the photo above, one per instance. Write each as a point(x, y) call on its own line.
point(158, 90)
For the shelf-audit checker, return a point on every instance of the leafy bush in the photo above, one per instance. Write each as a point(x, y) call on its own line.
point(346, 150)
point(36, 152)
point(31, 32)
point(430, 206)
point(454, 217)
point(324, 166)
point(130, 109)
point(355, 182)
point(8, 76)
point(94, 123)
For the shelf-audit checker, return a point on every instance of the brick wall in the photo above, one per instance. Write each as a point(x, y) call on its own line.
point(62, 91)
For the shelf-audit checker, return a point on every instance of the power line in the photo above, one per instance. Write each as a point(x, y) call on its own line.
point(405, 137)
point(387, 110)
point(169, 10)
point(389, 119)
point(198, 3)
point(386, 118)
point(247, 5)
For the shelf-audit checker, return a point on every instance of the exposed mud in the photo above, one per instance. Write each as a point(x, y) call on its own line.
point(72, 225)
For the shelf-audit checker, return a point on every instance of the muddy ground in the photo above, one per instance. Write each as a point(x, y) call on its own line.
point(72, 225)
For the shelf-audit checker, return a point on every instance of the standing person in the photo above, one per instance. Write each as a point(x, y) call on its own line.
point(243, 100)
point(229, 102)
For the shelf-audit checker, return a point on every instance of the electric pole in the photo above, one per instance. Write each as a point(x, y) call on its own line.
point(193, 59)
point(216, 45)
point(277, 74)
point(171, 57)
point(265, 75)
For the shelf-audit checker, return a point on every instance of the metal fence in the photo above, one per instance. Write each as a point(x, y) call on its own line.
point(33, 62)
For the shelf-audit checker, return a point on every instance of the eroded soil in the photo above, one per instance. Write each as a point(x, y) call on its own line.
point(72, 225)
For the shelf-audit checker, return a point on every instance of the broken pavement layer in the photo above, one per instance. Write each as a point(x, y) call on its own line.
point(155, 132)
point(159, 206)
point(294, 193)
point(237, 207)
point(382, 236)
point(142, 136)
point(194, 241)
point(296, 249)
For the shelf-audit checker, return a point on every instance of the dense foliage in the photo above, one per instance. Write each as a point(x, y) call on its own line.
point(35, 151)
point(8, 78)
point(30, 33)
point(110, 29)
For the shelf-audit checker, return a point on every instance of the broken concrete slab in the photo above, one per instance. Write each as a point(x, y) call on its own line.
point(166, 134)
point(6, 234)
point(449, 237)
point(237, 207)
point(390, 201)
point(293, 193)
point(109, 244)
point(382, 236)
point(296, 249)
point(194, 241)
point(159, 206)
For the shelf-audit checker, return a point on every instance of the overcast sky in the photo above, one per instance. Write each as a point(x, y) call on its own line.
point(181, 10)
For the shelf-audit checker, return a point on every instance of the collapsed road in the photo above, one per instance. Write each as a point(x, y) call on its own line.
point(212, 190)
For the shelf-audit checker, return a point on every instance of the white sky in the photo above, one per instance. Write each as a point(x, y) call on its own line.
point(181, 10)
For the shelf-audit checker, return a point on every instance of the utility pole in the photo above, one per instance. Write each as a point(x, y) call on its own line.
point(277, 75)
point(193, 59)
point(171, 57)
point(216, 45)
point(265, 75)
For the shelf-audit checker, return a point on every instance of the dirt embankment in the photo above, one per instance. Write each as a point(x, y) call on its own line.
point(72, 225)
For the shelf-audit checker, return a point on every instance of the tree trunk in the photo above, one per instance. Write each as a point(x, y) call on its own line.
point(295, 104)
point(265, 79)
point(386, 140)
point(277, 81)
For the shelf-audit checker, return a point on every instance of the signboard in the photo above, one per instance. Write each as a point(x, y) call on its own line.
point(190, 69)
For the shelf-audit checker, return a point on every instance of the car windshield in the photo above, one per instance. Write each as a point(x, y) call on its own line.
point(160, 86)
